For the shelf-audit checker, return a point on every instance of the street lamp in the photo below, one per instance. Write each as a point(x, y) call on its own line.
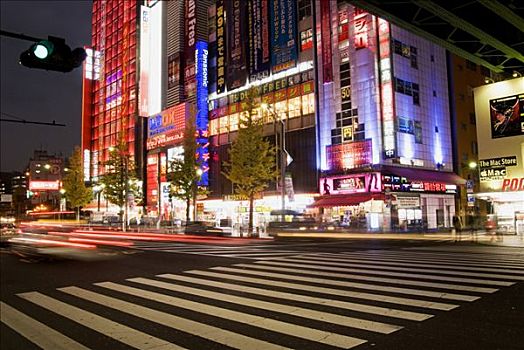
point(61, 207)
point(282, 151)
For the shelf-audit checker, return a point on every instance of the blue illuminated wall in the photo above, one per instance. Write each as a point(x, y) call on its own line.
point(201, 54)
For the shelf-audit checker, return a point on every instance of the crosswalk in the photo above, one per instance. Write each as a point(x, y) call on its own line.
point(247, 251)
point(306, 301)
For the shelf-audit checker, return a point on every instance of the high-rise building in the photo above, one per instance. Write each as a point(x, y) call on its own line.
point(363, 105)
point(378, 149)
point(110, 86)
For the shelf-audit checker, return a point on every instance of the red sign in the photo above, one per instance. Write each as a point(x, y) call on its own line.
point(327, 66)
point(349, 155)
point(360, 27)
point(513, 184)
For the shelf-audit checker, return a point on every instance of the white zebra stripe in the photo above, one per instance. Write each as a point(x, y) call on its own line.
point(36, 332)
point(123, 334)
point(376, 310)
point(395, 268)
point(389, 273)
point(400, 262)
point(307, 333)
point(374, 287)
point(328, 291)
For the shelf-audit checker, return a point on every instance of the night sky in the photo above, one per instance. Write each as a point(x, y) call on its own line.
point(36, 94)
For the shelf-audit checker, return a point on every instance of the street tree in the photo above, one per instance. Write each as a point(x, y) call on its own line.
point(184, 173)
point(252, 163)
point(76, 192)
point(120, 177)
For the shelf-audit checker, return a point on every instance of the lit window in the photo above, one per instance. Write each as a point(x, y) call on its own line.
point(213, 126)
point(295, 106)
point(224, 124)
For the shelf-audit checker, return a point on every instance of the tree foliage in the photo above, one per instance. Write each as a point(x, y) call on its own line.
point(76, 192)
point(119, 169)
point(251, 165)
point(184, 173)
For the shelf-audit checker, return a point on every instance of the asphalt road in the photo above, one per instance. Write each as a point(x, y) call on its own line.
point(298, 294)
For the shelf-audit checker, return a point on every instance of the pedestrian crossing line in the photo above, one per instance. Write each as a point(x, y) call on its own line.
point(352, 322)
point(222, 336)
point(35, 331)
point(376, 310)
point(259, 254)
point(396, 268)
point(481, 249)
point(374, 287)
point(390, 273)
point(329, 291)
point(493, 256)
point(123, 334)
point(385, 280)
point(435, 259)
point(332, 339)
point(454, 257)
point(402, 262)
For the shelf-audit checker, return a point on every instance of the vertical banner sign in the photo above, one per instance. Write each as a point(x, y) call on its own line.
point(221, 47)
point(386, 90)
point(327, 63)
point(258, 30)
point(189, 71)
point(202, 121)
point(283, 33)
point(360, 27)
point(143, 87)
point(236, 31)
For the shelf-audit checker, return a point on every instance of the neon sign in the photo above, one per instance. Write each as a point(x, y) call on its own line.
point(202, 119)
point(386, 90)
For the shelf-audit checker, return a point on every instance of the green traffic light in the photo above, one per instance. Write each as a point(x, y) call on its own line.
point(43, 49)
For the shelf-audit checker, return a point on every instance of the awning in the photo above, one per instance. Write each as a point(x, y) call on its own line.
point(424, 175)
point(343, 200)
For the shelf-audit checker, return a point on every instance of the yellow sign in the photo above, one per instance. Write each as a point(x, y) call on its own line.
point(347, 133)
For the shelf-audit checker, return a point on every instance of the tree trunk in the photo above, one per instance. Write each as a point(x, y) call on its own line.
point(188, 205)
point(250, 225)
point(78, 214)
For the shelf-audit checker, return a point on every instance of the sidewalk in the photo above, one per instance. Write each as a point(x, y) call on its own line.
point(480, 237)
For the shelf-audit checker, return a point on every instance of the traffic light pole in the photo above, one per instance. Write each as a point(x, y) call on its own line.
point(19, 36)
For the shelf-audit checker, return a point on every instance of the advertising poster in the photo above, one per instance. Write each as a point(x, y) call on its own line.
point(507, 116)
point(283, 33)
point(327, 66)
point(189, 70)
point(236, 52)
point(258, 27)
point(221, 47)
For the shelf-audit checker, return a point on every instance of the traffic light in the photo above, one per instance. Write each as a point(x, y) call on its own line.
point(53, 54)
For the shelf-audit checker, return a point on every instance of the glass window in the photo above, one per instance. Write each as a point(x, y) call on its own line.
point(213, 127)
point(295, 106)
point(223, 124)
point(233, 122)
point(308, 104)
point(281, 109)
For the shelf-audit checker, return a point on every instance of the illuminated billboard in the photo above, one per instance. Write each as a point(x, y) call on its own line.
point(44, 185)
point(349, 155)
point(507, 116)
point(202, 119)
point(355, 183)
point(166, 127)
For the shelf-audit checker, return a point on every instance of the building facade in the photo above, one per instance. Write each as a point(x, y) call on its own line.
point(499, 108)
point(363, 105)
